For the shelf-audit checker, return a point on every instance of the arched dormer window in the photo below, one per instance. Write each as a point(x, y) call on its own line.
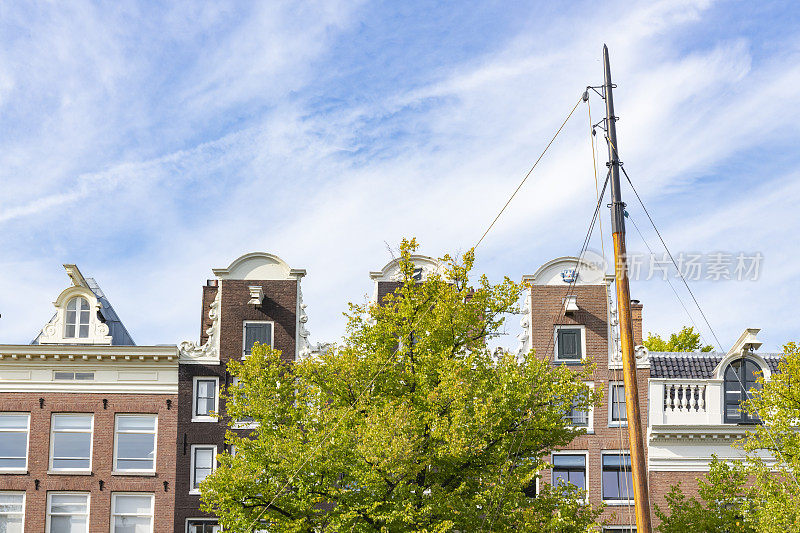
point(76, 323)
point(741, 377)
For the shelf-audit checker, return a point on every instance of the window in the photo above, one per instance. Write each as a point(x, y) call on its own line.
point(12, 511)
point(71, 442)
point(260, 332)
point(247, 422)
point(58, 375)
point(131, 513)
point(67, 512)
point(617, 478)
point(580, 418)
point(205, 399)
point(570, 344)
point(202, 526)
point(204, 459)
point(570, 468)
point(14, 442)
point(135, 443)
point(740, 378)
point(617, 413)
point(77, 319)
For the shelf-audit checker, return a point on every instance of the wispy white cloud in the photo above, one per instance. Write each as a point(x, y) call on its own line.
point(211, 142)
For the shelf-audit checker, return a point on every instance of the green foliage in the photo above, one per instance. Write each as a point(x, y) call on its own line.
point(753, 495)
point(778, 404)
point(686, 340)
point(410, 424)
point(721, 508)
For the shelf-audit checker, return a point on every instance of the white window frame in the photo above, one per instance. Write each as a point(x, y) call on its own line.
point(205, 418)
point(78, 322)
point(556, 329)
point(14, 514)
point(113, 513)
point(616, 423)
point(192, 489)
point(244, 333)
point(590, 423)
point(50, 495)
point(238, 424)
point(54, 470)
point(585, 454)
point(621, 529)
point(211, 521)
point(629, 501)
point(5, 470)
point(115, 458)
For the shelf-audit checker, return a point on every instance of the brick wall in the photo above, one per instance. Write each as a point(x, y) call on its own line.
point(592, 301)
point(102, 455)
point(279, 305)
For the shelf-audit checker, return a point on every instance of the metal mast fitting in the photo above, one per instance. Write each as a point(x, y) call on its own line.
point(638, 461)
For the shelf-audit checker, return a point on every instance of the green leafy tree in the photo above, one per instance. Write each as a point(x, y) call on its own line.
point(686, 340)
point(757, 494)
point(777, 403)
point(412, 423)
point(724, 494)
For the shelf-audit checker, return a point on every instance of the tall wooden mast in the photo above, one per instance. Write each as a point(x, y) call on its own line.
point(638, 461)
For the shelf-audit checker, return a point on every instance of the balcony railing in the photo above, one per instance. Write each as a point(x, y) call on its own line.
point(685, 402)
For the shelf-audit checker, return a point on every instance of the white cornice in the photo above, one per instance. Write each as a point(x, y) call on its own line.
point(690, 434)
point(62, 352)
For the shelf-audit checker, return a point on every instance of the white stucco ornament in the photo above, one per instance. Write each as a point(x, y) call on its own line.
point(190, 353)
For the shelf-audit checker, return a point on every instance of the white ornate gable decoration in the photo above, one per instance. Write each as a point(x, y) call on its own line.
point(54, 331)
point(207, 354)
point(259, 266)
point(424, 267)
point(304, 348)
point(745, 347)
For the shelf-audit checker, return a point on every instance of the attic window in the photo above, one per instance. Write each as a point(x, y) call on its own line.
point(73, 376)
point(77, 319)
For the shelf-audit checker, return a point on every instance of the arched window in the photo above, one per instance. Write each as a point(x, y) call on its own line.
point(740, 378)
point(77, 322)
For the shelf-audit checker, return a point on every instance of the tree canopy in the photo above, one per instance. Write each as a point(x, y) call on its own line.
point(762, 493)
point(410, 423)
point(686, 340)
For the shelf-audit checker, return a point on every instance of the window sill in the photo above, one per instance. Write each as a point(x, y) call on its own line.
point(70, 472)
point(575, 362)
point(205, 419)
point(149, 473)
point(617, 424)
point(194, 492)
point(6, 471)
point(618, 503)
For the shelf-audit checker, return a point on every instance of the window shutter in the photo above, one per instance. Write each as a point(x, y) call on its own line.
point(569, 344)
point(261, 333)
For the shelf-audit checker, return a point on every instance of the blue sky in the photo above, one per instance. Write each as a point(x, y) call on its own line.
point(149, 143)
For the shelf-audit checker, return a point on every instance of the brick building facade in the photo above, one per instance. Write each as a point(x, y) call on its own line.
point(98, 434)
point(257, 298)
point(87, 423)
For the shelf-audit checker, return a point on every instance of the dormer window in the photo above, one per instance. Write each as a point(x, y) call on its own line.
point(741, 377)
point(77, 318)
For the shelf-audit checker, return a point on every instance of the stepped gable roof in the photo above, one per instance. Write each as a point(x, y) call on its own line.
point(695, 365)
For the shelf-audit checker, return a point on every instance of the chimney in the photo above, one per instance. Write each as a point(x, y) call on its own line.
point(636, 319)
